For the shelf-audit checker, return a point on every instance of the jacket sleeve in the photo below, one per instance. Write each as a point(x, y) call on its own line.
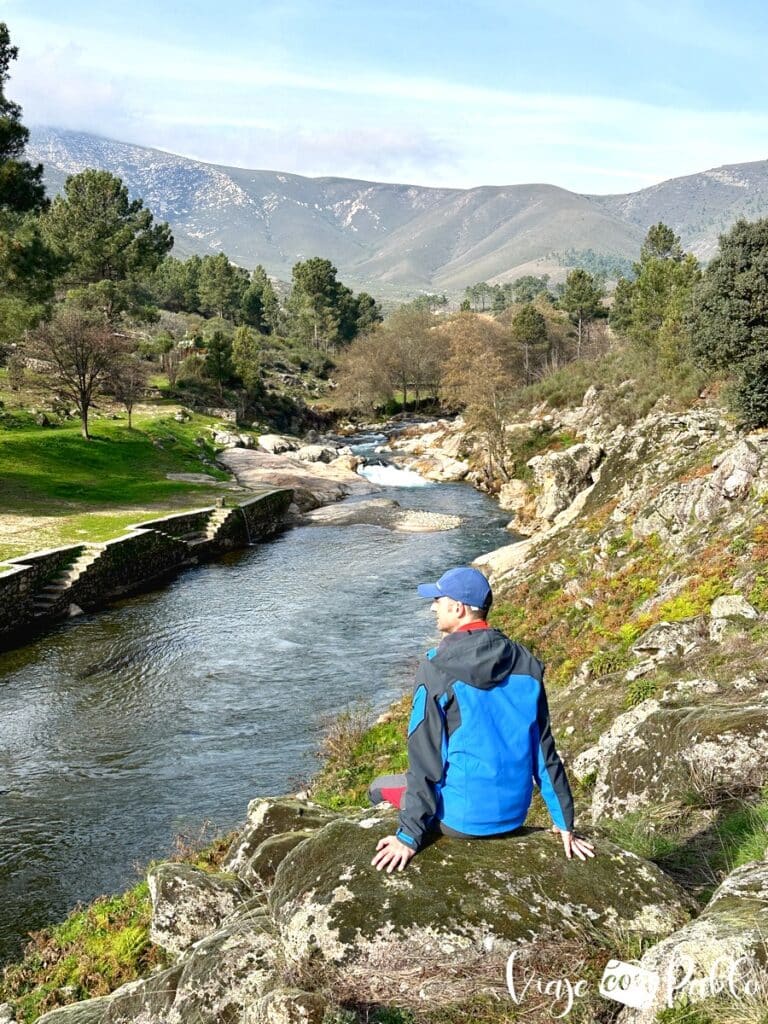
point(426, 741)
point(548, 771)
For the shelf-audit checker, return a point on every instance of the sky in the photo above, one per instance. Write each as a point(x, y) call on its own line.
point(595, 97)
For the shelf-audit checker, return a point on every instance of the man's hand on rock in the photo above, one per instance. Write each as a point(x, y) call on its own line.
point(575, 844)
point(392, 854)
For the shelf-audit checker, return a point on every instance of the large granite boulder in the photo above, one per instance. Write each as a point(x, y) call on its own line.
point(214, 982)
point(316, 453)
point(560, 476)
point(727, 941)
point(273, 828)
point(277, 444)
point(657, 754)
point(188, 904)
point(459, 902)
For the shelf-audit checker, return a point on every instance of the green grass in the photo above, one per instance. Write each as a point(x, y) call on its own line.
point(91, 490)
point(353, 752)
point(98, 948)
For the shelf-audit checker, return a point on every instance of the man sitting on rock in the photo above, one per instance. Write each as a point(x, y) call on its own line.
point(478, 737)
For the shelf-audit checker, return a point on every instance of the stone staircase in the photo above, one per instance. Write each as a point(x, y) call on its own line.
point(217, 517)
point(46, 599)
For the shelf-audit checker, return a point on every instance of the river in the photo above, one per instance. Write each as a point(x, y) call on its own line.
point(125, 728)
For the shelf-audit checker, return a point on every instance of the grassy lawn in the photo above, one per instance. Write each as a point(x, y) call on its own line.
point(56, 488)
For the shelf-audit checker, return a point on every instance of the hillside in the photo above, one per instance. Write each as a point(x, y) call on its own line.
point(394, 238)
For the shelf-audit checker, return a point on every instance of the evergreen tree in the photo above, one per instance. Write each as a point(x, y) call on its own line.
point(246, 357)
point(218, 359)
point(529, 334)
point(620, 316)
point(314, 303)
point(221, 286)
point(27, 265)
point(526, 288)
point(581, 298)
point(661, 243)
point(260, 300)
point(21, 184)
point(731, 320)
point(108, 243)
point(368, 311)
point(174, 284)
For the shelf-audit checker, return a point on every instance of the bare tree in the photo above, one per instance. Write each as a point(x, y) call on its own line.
point(129, 381)
point(78, 355)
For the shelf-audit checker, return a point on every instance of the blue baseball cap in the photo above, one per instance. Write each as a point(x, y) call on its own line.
point(463, 584)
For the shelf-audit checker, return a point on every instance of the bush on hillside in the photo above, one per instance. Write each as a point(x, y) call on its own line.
point(749, 395)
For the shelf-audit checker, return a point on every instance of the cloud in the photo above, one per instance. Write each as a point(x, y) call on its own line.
point(369, 123)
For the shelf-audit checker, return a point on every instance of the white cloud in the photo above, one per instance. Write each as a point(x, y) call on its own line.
point(363, 123)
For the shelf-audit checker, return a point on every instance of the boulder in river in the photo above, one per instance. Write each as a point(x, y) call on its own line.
point(383, 512)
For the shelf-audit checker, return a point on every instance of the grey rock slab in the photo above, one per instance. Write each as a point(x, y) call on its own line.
point(667, 640)
point(457, 901)
point(654, 754)
point(188, 904)
point(732, 606)
point(560, 476)
point(287, 1006)
point(269, 817)
point(213, 982)
point(90, 1011)
point(276, 444)
point(730, 930)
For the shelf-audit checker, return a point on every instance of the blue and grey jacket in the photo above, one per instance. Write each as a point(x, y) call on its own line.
point(478, 739)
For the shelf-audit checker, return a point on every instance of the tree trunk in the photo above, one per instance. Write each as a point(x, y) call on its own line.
point(578, 346)
point(130, 413)
point(84, 423)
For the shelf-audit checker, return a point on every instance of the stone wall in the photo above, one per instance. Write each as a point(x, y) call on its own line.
point(28, 575)
point(179, 525)
point(149, 553)
point(254, 520)
point(126, 564)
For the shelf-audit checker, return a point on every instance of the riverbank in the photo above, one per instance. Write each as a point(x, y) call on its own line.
point(179, 705)
point(642, 585)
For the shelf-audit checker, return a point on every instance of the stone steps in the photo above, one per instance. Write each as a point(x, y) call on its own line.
point(217, 517)
point(49, 595)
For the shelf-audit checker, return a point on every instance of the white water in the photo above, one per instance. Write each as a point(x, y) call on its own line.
point(391, 476)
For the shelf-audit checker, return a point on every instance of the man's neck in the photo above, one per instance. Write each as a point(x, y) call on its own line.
point(467, 627)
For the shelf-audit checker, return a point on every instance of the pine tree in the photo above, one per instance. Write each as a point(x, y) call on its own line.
point(27, 265)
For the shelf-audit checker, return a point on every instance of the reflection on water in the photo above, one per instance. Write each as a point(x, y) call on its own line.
point(121, 729)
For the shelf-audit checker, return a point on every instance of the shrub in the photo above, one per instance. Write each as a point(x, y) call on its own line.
point(749, 394)
point(639, 690)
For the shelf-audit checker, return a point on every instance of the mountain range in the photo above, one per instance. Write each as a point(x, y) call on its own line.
point(402, 239)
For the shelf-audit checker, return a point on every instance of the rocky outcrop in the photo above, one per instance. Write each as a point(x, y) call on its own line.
point(433, 450)
point(189, 904)
point(277, 444)
point(655, 753)
point(723, 950)
point(324, 912)
point(316, 453)
point(560, 476)
point(313, 483)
